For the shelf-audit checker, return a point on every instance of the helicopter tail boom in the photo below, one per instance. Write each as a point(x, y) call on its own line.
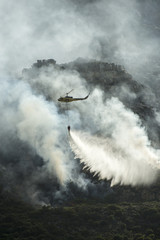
point(76, 99)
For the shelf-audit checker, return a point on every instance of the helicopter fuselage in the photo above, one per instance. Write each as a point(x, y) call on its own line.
point(70, 99)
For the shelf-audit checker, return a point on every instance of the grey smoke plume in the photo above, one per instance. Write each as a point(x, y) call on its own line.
point(38, 126)
point(124, 32)
point(32, 126)
point(34, 121)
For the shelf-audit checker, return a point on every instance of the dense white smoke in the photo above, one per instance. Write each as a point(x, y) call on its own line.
point(39, 126)
point(34, 121)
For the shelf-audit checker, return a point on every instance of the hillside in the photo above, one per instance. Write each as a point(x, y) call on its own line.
point(114, 81)
point(20, 163)
point(34, 205)
point(80, 219)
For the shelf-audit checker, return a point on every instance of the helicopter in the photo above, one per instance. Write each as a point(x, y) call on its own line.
point(71, 99)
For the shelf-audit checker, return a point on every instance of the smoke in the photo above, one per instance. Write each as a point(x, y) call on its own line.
point(33, 142)
point(36, 160)
point(34, 121)
point(38, 126)
point(124, 32)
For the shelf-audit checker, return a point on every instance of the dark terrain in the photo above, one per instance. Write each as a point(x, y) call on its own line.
point(80, 219)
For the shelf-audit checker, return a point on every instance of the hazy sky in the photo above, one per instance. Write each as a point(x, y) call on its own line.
point(124, 32)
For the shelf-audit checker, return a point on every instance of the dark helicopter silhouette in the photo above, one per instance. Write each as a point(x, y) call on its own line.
point(71, 99)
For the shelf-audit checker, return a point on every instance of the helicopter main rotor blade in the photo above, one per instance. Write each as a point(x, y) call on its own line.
point(69, 91)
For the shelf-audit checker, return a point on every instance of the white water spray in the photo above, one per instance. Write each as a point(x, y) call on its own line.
point(113, 162)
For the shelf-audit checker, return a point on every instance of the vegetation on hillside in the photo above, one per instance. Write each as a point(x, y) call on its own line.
point(79, 220)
